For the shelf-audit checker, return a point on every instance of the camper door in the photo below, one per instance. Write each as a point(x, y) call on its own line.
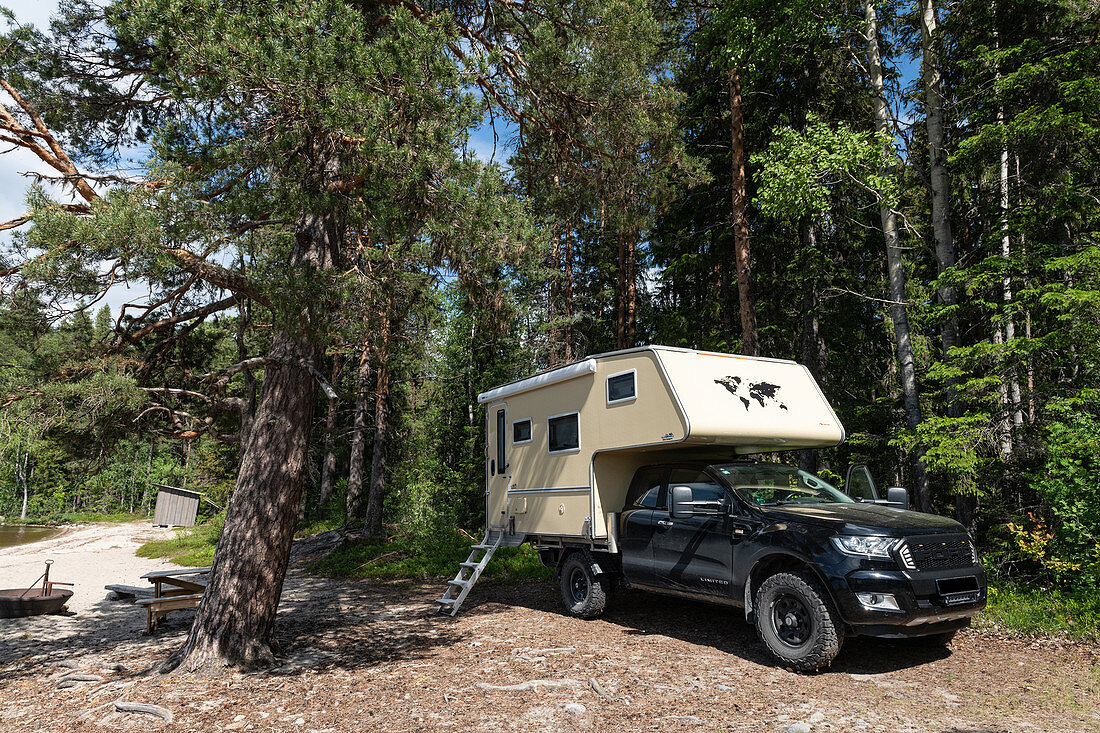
point(499, 475)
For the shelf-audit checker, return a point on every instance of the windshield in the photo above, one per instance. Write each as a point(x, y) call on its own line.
point(770, 484)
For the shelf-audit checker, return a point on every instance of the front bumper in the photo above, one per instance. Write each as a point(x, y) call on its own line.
point(930, 602)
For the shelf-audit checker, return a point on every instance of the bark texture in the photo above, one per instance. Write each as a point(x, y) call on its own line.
point(328, 467)
point(750, 339)
point(895, 266)
point(373, 525)
point(358, 436)
point(939, 183)
point(235, 623)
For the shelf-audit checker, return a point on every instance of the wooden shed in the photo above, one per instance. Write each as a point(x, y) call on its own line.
point(176, 507)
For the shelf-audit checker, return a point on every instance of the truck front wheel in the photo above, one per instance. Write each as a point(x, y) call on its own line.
point(583, 592)
point(796, 621)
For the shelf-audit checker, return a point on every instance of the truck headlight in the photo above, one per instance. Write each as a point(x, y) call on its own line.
point(864, 546)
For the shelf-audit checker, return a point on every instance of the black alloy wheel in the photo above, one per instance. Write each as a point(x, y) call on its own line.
point(796, 621)
point(583, 592)
point(792, 621)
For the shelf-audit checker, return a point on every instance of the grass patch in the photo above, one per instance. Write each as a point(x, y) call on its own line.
point(192, 546)
point(310, 527)
point(78, 518)
point(408, 559)
point(1031, 610)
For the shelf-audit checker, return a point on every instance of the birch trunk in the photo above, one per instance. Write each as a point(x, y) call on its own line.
point(358, 436)
point(328, 466)
point(372, 526)
point(895, 266)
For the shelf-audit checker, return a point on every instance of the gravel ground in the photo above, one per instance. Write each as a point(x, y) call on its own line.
point(366, 656)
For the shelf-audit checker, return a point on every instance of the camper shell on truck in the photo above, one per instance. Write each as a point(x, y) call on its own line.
point(628, 468)
point(564, 444)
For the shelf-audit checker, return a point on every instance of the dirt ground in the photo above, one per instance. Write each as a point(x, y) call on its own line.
point(366, 656)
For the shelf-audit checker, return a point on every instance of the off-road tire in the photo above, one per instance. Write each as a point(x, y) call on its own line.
point(796, 606)
point(583, 592)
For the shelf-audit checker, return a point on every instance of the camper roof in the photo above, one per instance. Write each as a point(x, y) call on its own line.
point(587, 365)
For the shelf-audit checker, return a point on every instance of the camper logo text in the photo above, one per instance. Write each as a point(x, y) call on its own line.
point(763, 393)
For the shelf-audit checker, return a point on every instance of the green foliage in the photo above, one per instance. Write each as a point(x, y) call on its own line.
point(1067, 541)
point(405, 558)
point(801, 170)
point(1041, 611)
point(192, 546)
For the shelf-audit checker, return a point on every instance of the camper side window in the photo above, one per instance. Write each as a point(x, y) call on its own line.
point(500, 441)
point(564, 432)
point(621, 387)
point(521, 431)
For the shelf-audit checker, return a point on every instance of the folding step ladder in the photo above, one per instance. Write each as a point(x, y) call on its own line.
point(459, 588)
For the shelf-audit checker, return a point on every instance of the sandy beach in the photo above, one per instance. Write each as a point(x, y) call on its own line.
point(90, 557)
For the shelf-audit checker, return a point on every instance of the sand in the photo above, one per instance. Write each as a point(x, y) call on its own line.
point(90, 557)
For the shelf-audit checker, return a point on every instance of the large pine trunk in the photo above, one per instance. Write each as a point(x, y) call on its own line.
point(236, 621)
point(750, 339)
point(895, 266)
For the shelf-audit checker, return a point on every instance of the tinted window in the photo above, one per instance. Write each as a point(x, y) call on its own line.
point(703, 487)
point(645, 489)
point(564, 433)
point(500, 441)
point(620, 387)
point(521, 431)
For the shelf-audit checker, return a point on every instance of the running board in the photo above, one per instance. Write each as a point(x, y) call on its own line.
point(460, 587)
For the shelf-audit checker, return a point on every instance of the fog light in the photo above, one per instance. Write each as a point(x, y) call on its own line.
point(878, 601)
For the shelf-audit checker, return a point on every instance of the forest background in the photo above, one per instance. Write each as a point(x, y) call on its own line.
point(301, 203)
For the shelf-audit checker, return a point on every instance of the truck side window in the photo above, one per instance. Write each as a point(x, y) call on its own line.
point(645, 490)
point(703, 487)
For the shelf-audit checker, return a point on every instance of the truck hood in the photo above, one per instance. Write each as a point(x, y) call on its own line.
point(861, 518)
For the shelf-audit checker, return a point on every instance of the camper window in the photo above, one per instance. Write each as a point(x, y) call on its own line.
point(521, 431)
point(564, 433)
point(621, 387)
point(500, 441)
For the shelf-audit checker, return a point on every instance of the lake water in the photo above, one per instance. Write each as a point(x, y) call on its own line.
point(12, 535)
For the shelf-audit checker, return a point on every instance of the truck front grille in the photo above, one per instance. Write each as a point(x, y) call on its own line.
point(938, 553)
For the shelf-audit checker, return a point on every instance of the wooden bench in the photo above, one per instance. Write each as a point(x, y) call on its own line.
point(172, 590)
point(158, 608)
point(130, 591)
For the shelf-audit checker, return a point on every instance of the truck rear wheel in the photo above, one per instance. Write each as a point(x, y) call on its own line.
point(796, 621)
point(582, 590)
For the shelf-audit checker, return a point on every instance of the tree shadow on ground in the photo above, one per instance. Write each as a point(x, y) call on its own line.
point(723, 628)
point(322, 624)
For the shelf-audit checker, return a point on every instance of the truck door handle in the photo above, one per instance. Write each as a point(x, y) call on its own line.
point(664, 523)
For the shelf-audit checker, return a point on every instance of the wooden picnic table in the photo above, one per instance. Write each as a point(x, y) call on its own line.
point(172, 590)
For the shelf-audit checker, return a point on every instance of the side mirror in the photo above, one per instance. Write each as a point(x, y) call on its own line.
point(680, 505)
point(898, 497)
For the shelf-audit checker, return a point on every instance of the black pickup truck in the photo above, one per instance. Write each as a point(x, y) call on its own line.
point(808, 563)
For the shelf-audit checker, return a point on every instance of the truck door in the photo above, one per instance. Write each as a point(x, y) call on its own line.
point(638, 524)
point(497, 465)
point(695, 555)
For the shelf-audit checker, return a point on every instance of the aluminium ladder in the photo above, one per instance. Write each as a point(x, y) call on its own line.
point(459, 588)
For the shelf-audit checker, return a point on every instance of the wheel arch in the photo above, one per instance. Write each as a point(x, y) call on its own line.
point(779, 561)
